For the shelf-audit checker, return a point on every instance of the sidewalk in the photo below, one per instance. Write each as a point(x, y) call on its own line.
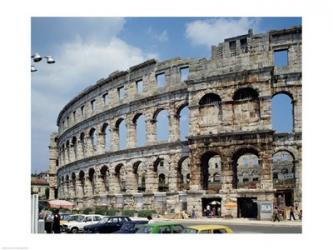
point(236, 221)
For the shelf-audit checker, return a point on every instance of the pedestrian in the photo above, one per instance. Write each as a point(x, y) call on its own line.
point(56, 222)
point(193, 212)
point(276, 214)
point(48, 222)
point(292, 215)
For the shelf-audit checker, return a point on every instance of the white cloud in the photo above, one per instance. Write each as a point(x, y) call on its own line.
point(212, 31)
point(78, 65)
point(161, 37)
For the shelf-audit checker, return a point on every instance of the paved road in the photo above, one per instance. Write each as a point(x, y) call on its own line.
point(257, 228)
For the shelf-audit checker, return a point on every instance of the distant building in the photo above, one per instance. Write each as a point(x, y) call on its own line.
point(40, 186)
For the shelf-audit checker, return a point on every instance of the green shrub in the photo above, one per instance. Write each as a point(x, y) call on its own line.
point(101, 210)
point(112, 211)
point(145, 213)
point(129, 213)
point(87, 210)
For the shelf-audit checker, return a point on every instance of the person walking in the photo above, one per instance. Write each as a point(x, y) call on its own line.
point(276, 214)
point(292, 214)
point(193, 212)
point(56, 222)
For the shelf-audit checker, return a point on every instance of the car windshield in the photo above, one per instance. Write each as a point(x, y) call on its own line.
point(190, 231)
point(104, 220)
point(66, 217)
point(76, 218)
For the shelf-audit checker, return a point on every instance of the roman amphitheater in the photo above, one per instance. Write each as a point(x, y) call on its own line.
point(230, 157)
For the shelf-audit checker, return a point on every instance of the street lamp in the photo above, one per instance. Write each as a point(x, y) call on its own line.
point(37, 58)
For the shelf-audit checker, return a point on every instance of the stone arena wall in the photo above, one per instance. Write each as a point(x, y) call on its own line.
point(229, 98)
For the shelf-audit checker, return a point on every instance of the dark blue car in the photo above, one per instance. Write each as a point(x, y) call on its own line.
point(107, 225)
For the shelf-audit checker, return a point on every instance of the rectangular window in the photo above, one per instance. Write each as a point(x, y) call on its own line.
point(281, 58)
point(232, 45)
point(160, 79)
point(74, 116)
point(93, 106)
point(139, 87)
point(184, 74)
point(67, 121)
point(105, 99)
point(121, 93)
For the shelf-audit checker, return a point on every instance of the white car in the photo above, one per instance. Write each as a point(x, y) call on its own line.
point(78, 221)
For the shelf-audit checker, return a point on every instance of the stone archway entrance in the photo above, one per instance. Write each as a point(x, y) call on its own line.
point(247, 207)
point(211, 207)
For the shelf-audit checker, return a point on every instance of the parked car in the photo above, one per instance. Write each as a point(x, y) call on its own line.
point(162, 228)
point(131, 227)
point(108, 224)
point(64, 218)
point(78, 221)
point(208, 229)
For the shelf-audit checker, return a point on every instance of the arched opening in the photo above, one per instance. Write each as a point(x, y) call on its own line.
point(67, 185)
point(82, 181)
point(283, 171)
point(74, 143)
point(140, 129)
point(73, 178)
point(162, 125)
point(105, 177)
point(121, 177)
point(183, 114)
point(91, 177)
point(82, 142)
point(68, 151)
point(161, 169)
point(211, 164)
point(184, 174)
point(162, 186)
point(246, 169)
point(282, 113)
point(122, 133)
point(210, 110)
point(246, 106)
point(93, 138)
point(140, 176)
point(106, 137)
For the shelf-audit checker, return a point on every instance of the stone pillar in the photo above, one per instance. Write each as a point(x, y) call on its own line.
point(150, 129)
point(114, 186)
point(53, 157)
point(173, 174)
point(131, 185)
point(115, 139)
point(266, 180)
point(195, 183)
point(298, 183)
point(297, 115)
point(71, 152)
point(227, 174)
point(131, 136)
point(194, 120)
point(151, 178)
point(68, 148)
point(81, 149)
point(174, 131)
point(100, 143)
point(89, 147)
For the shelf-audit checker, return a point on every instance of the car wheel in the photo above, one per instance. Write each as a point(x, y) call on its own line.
point(74, 230)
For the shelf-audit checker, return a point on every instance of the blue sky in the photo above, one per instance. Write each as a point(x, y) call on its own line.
point(87, 49)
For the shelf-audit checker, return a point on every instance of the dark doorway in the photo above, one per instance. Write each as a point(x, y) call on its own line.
point(211, 207)
point(247, 208)
point(284, 198)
